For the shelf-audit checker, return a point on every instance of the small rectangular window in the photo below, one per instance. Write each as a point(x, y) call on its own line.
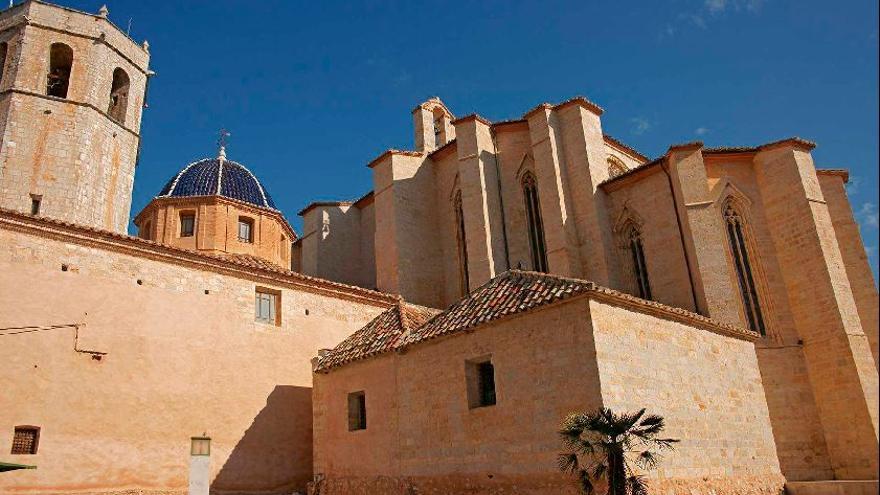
point(480, 375)
point(25, 440)
point(357, 411)
point(187, 224)
point(36, 202)
point(200, 446)
point(266, 306)
point(245, 230)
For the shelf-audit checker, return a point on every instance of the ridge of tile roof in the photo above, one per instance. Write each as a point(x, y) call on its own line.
point(510, 293)
point(382, 334)
point(239, 265)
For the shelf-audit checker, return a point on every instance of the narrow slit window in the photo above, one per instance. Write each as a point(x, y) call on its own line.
point(187, 224)
point(118, 104)
point(480, 375)
point(25, 440)
point(357, 411)
point(60, 65)
point(245, 230)
point(534, 223)
point(640, 266)
point(266, 306)
point(744, 271)
point(4, 48)
point(36, 203)
point(461, 240)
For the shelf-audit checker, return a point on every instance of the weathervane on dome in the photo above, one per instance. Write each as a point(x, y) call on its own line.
point(221, 142)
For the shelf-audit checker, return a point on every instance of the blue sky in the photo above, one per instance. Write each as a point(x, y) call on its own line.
point(312, 91)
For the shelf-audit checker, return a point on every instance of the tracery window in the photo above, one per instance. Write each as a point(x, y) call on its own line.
point(744, 271)
point(615, 167)
point(461, 240)
point(534, 223)
point(640, 267)
point(60, 64)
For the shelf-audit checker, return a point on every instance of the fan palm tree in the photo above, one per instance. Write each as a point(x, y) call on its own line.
point(604, 446)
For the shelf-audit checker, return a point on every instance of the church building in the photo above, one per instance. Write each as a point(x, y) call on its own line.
point(430, 336)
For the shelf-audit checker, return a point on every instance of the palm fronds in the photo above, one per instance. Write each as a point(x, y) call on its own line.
point(604, 446)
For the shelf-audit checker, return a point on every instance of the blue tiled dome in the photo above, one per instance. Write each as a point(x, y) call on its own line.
point(213, 176)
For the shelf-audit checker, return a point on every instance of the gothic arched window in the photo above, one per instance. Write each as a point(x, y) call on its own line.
point(534, 224)
point(640, 267)
point(461, 244)
point(60, 64)
point(118, 95)
point(744, 272)
point(616, 167)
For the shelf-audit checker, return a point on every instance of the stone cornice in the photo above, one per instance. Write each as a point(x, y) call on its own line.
point(632, 174)
point(71, 102)
point(392, 152)
point(842, 173)
point(316, 204)
point(577, 100)
point(473, 116)
point(133, 246)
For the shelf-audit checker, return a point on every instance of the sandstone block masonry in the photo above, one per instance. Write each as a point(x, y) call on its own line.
point(73, 151)
point(152, 346)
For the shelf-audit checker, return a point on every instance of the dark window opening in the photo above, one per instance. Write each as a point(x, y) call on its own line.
point(480, 377)
point(60, 64)
point(4, 48)
point(187, 224)
point(640, 267)
point(118, 95)
point(25, 440)
point(743, 267)
point(357, 411)
point(461, 239)
point(245, 230)
point(36, 202)
point(534, 223)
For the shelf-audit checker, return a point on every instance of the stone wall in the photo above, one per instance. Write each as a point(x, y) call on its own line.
point(69, 151)
point(574, 356)
point(184, 357)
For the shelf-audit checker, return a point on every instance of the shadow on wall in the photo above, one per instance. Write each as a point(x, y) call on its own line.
point(275, 453)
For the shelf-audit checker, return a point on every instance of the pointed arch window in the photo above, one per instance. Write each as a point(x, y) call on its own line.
point(534, 223)
point(744, 271)
point(640, 266)
point(60, 64)
point(461, 241)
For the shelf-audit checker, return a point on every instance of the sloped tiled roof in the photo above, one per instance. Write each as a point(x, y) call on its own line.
point(382, 334)
point(513, 292)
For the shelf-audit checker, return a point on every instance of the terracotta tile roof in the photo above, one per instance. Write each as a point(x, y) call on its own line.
point(508, 294)
point(383, 334)
point(513, 292)
point(135, 246)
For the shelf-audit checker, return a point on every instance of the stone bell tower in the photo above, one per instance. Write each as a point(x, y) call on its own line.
point(72, 88)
